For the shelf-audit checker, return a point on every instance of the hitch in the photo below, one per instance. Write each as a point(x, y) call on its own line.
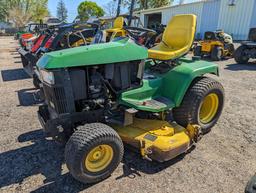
point(194, 132)
point(145, 151)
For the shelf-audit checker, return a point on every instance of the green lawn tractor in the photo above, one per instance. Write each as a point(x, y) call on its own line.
point(247, 50)
point(156, 101)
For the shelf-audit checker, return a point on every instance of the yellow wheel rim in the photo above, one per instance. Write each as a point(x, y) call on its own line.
point(209, 108)
point(99, 158)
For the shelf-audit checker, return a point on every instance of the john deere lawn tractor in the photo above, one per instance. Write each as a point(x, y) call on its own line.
point(100, 96)
point(216, 44)
point(247, 50)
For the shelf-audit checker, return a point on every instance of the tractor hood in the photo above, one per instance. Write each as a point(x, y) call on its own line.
point(107, 53)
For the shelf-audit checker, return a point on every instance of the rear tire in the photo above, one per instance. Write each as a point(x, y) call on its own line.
point(193, 105)
point(217, 53)
point(231, 49)
point(240, 56)
point(197, 51)
point(93, 152)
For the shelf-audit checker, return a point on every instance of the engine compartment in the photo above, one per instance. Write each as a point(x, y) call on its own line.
point(93, 87)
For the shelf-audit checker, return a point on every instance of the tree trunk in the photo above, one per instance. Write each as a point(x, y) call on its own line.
point(118, 8)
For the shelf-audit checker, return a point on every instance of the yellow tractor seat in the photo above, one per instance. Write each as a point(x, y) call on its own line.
point(117, 29)
point(118, 25)
point(114, 30)
point(177, 39)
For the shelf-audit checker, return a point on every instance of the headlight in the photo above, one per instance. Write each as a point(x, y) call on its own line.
point(47, 77)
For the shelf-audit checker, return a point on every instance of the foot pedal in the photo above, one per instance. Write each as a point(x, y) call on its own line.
point(128, 116)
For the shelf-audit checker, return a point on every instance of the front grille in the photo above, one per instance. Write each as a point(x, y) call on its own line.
point(56, 98)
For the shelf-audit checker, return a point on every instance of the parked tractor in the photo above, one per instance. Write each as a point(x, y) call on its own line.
point(216, 44)
point(52, 39)
point(101, 96)
point(126, 25)
point(30, 34)
point(247, 50)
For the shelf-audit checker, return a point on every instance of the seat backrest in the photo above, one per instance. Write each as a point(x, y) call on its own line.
point(118, 23)
point(180, 31)
point(210, 36)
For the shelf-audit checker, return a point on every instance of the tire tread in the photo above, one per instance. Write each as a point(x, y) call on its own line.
point(184, 114)
point(84, 137)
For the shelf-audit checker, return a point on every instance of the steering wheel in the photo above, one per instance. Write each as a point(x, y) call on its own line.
point(136, 32)
point(141, 36)
point(80, 35)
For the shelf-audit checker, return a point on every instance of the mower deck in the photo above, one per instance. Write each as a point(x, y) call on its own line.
point(157, 140)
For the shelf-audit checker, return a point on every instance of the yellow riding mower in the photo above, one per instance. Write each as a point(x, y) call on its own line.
point(217, 45)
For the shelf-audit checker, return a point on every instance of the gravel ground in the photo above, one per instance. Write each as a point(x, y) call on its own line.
point(223, 161)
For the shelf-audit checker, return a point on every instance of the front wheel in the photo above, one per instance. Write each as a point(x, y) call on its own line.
point(202, 104)
point(217, 53)
point(93, 152)
point(240, 56)
point(231, 49)
point(197, 51)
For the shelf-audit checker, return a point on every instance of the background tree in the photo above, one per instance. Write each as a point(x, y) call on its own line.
point(20, 12)
point(39, 10)
point(2, 10)
point(146, 4)
point(158, 3)
point(88, 9)
point(19, 17)
point(119, 3)
point(143, 4)
point(62, 12)
point(111, 8)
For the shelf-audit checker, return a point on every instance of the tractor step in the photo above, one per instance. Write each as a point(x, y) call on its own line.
point(157, 104)
point(158, 140)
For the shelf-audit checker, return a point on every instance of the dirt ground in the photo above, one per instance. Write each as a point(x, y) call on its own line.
point(223, 161)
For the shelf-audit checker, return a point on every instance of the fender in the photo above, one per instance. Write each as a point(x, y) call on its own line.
point(177, 81)
point(166, 91)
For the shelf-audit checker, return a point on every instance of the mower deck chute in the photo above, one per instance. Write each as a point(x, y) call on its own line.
point(158, 140)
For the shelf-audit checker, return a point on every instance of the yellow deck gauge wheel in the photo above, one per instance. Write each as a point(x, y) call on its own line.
point(209, 108)
point(99, 158)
